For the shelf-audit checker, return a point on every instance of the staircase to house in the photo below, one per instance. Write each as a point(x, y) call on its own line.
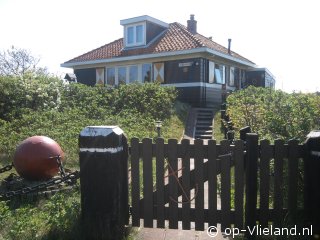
point(203, 123)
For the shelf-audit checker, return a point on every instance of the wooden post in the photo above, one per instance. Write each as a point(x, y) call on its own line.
point(312, 182)
point(104, 182)
point(243, 133)
point(251, 182)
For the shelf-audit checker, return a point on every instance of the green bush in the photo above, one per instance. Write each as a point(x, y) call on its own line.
point(47, 106)
point(273, 113)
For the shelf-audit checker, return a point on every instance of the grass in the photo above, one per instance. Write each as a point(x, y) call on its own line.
point(59, 216)
point(218, 135)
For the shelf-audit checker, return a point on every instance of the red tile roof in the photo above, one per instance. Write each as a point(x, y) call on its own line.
point(175, 38)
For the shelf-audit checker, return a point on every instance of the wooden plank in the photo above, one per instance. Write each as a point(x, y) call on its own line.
point(279, 153)
point(212, 182)
point(160, 182)
point(238, 156)
point(192, 173)
point(199, 197)
point(225, 184)
point(185, 143)
point(251, 182)
point(293, 177)
point(266, 155)
point(218, 213)
point(173, 183)
point(135, 182)
point(147, 182)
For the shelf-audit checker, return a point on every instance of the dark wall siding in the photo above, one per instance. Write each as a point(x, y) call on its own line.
point(191, 95)
point(86, 76)
point(188, 71)
point(153, 30)
point(213, 96)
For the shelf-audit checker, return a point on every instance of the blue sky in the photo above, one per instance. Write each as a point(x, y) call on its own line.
point(280, 35)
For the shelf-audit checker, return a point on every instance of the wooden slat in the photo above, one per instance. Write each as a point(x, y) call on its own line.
point(135, 182)
point(251, 182)
point(173, 183)
point(266, 155)
point(192, 173)
point(279, 153)
point(212, 182)
point(185, 143)
point(160, 181)
point(147, 182)
point(238, 156)
point(225, 184)
point(218, 214)
point(199, 198)
point(293, 177)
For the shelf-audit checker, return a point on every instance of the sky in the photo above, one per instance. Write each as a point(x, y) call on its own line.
point(282, 36)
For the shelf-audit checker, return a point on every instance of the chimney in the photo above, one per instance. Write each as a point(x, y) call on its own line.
point(192, 25)
point(229, 46)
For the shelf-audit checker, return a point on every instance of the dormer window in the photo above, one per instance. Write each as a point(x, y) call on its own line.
point(135, 35)
point(140, 31)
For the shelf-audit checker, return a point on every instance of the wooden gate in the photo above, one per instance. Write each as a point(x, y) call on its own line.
point(165, 186)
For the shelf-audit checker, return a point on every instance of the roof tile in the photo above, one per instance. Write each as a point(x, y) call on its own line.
point(175, 38)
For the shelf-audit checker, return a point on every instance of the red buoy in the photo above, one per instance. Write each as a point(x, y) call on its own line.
point(36, 158)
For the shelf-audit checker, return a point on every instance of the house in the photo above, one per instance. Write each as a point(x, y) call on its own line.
point(171, 54)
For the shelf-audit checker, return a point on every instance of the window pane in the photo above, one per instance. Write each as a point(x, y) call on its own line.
point(139, 33)
point(130, 35)
point(133, 74)
point(211, 72)
point(146, 72)
point(122, 75)
point(110, 76)
point(217, 76)
point(223, 73)
point(232, 74)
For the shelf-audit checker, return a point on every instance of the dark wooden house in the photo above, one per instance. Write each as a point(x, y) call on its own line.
point(172, 54)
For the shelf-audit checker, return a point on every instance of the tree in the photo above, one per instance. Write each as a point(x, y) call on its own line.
point(19, 62)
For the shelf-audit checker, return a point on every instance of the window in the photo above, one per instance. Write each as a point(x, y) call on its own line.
point(111, 76)
point(211, 72)
point(139, 34)
point(219, 74)
point(135, 35)
point(146, 72)
point(122, 75)
point(133, 74)
point(232, 76)
point(130, 35)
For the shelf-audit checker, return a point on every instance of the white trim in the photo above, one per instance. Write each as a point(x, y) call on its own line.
point(143, 18)
point(315, 153)
point(93, 131)
point(158, 55)
point(102, 150)
point(194, 84)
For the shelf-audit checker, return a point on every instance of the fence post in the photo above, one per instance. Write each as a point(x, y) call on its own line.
point(103, 182)
point(251, 182)
point(312, 182)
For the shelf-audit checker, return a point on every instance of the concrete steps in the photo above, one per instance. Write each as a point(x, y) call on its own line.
point(203, 123)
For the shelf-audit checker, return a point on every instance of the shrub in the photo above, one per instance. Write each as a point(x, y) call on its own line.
point(273, 113)
point(47, 106)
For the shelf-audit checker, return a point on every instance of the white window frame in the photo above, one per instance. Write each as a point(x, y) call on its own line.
point(135, 43)
point(231, 81)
